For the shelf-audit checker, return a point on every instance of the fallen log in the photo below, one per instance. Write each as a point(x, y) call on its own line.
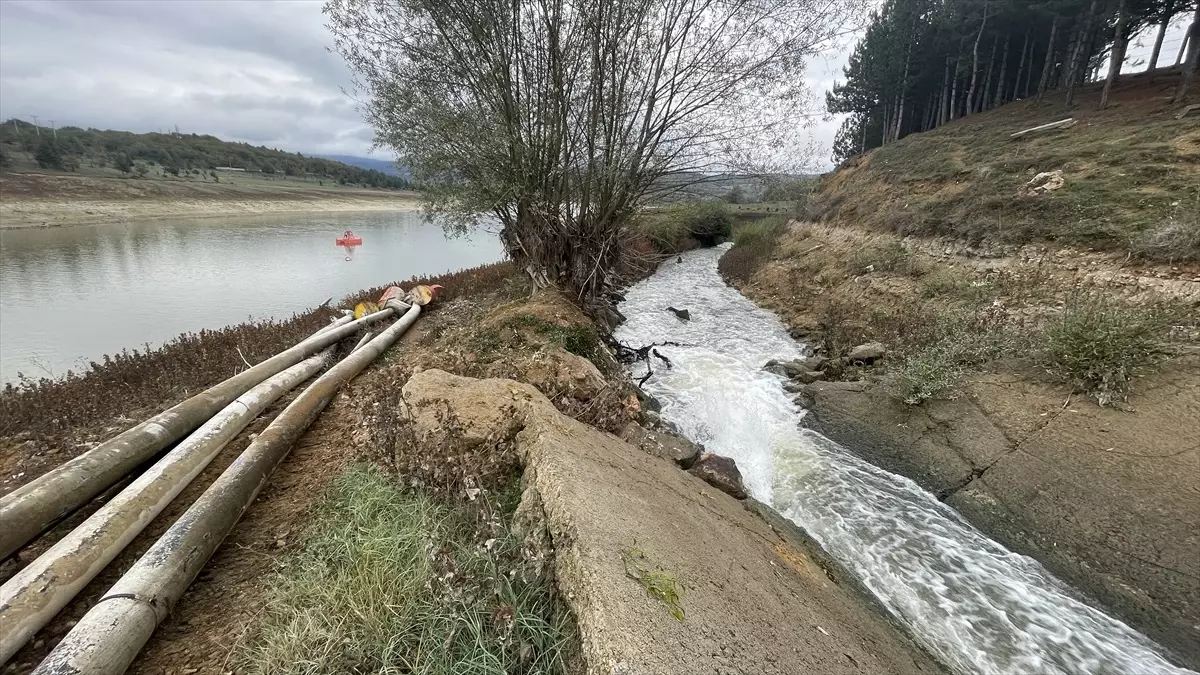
point(1061, 124)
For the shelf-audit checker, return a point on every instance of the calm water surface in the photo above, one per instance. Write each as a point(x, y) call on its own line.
point(68, 295)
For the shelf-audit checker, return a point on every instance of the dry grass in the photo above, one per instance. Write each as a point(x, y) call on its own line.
point(1127, 170)
point(942, 320)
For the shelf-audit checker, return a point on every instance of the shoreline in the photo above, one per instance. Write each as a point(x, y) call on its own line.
point(49, 214)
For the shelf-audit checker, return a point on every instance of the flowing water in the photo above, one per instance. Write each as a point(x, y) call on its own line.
point(976, 606)
point(68, 295)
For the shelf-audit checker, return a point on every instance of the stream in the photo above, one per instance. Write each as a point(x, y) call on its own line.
point(976, 606)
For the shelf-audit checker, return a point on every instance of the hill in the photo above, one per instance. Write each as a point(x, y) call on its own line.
point(385, 166)
point(1131, 175)
point(71, 148)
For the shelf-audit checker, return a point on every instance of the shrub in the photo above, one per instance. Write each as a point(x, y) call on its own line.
point(1174, 240)
point(754, 242)
point(49, 155)
point(1099, 344)
point(709, 223)
point(929, 374)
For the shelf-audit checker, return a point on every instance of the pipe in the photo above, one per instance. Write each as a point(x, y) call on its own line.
point(110, 635)
point(340, 321)
point(31, 598)
point(34, 507)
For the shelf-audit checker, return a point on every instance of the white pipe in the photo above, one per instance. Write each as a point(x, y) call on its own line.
point(109, 636)
point(32, 508)
point(31, 598)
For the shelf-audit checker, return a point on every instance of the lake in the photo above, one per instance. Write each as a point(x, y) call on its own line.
point(70, 295)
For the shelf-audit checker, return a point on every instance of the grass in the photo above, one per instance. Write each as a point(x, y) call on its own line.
point(390, 581)
point(1099, 344)
point(1127, 169)
point(581, 340)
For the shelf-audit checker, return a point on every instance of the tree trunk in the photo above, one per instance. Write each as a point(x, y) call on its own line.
point(1183, 49)
point(975, 60)
point(1082, 47)
point(903, 92)
point(1018, 91)
point(1003, 73)
point(1049, 62)
point(954, 92)
point(1189, 66)
point(1117, 57)
point(1164, 20)
point(987, 79)
point(944, 112)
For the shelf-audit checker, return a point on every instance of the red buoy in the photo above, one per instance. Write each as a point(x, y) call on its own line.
point(348, 238)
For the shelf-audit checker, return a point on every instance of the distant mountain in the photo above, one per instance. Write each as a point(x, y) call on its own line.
point(387, 166)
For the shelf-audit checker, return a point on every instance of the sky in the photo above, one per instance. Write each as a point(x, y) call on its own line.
point(251, 71)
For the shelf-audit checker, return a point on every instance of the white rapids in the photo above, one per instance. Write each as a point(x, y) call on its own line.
point(976, 606)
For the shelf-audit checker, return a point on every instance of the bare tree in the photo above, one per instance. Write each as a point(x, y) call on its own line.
point(563, 118)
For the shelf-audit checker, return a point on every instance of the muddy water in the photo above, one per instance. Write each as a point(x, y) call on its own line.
point(977, 607)
point(68, 295)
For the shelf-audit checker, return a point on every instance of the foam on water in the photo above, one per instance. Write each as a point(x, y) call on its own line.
point(978, 607)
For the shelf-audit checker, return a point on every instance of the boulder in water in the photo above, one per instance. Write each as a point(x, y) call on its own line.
point(682, 314)
point(721, 473)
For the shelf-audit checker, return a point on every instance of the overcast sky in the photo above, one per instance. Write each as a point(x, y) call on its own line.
point(247, 71)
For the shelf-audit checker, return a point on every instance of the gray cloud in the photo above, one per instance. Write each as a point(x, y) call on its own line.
point(251, 71)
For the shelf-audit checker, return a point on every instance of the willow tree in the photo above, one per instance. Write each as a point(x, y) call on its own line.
point(562, 118)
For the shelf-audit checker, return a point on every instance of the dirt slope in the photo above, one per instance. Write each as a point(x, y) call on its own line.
point(1128, 170)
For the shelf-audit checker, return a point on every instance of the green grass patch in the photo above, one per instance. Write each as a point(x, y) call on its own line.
point(579, 340)
point(681, 228)
point(394, 582)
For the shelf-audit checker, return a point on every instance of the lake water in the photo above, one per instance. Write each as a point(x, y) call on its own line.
point(69, 295)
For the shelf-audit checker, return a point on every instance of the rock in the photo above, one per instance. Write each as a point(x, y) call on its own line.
point(610, 317)
point(816, 362)
point(721, 473)
point(793, 387)
point(648, 402)
point(554, 370)
point(867, 353)
point(682, 314)
point(810, 377)
point(791, 369)
point(661, 444)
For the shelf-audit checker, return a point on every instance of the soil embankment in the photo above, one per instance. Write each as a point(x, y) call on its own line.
point(1105, 496)
point(64, 200)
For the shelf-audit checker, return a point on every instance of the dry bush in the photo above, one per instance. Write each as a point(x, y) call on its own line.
point(1098, 344)
point(754, 242)
point(116, 386)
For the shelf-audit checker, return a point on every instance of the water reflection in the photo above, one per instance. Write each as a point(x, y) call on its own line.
point(68, 295)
